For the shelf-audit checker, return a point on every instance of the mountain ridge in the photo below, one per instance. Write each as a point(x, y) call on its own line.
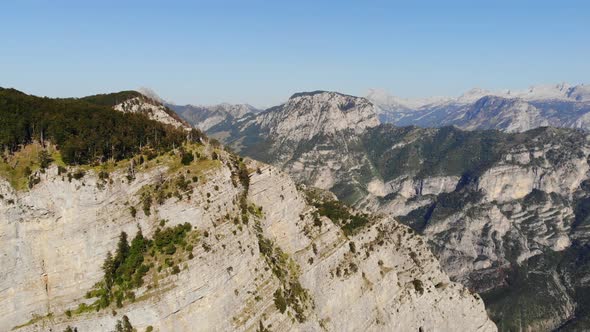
point(221, 242)
point(474, 194)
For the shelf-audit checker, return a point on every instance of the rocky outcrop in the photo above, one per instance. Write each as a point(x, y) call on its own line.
point(153, 109)
point(55, 236)
point(205, 117)
point(306, 115)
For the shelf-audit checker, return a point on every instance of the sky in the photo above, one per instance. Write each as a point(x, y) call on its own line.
point(261, 52)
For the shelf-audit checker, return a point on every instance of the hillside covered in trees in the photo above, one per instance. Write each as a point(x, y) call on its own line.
point(86, 130)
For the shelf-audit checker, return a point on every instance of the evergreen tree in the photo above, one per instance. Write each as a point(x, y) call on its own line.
point(44, 159)
point(108, 267)
point(121, 255)
point(124, 325)
point(85, 130)
point(127, 327)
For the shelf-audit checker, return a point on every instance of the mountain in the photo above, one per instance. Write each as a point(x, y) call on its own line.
point(205, 117)
point(505, 213)
point(559, 105)
point(308, 127)
point(184, 236)
point(135, 102)
point(87, 130)
point(153, 109)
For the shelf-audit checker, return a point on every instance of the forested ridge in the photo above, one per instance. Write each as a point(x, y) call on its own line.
point(86, 130)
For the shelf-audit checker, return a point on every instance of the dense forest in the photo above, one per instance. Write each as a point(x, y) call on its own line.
point(86, 130)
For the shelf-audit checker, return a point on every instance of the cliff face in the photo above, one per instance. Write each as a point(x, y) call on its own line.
point(54, 239)
point(514, 230)
point(506, 214)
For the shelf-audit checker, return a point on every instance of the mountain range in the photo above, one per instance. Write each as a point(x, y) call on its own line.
point(327, 212)
point(113, 216)
point(505, 213)
point(560, 105)
point(206, 116)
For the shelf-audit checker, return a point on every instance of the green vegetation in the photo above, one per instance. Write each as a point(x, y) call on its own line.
point(349, 220)
point(427, 152)
point(124, 325)
point(186, 157)
point(85, 130)
point(19, 167)
point(35, 319)
point(290, 294)
point(444, 205)
point(341, 215)
point(125, 271)
point(111, 99)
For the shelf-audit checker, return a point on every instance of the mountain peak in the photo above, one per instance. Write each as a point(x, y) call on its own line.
point(152, 108)
point(308, 114)
point(387, 101)
point(318, 92)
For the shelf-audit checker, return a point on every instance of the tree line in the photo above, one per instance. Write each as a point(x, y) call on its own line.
point(86, 130)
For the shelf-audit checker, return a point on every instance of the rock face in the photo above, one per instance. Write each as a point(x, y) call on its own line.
point(153, 109)
point(508, 227)
point(505, 213)
point(308, 114)
point(558, 105)
point(55, 237)
point(310, 126)
point(205, 117)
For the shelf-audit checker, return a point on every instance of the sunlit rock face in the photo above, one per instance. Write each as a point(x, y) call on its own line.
point(505, 213)
point(55, 237)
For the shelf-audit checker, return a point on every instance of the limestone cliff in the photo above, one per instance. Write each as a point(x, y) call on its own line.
point(506, 214)
point(256, 242)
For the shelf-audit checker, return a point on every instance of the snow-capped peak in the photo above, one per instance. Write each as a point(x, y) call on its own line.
point(383, 99)
point(473, 95)
point(579, 93)
point(561, 91)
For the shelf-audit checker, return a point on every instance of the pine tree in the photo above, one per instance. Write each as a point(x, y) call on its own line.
point(118, 327)
point(120, 256)
point(127, 327)
point(108, 267)
point(44, 159)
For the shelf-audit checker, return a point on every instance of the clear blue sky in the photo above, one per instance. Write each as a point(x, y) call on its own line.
point(263, 51)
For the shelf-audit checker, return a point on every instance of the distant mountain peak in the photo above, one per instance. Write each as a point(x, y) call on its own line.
point(561, 92)
point(206, 116)
point(385, 100)
point(318, 92)
point(472, 95)
point(308, 114)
